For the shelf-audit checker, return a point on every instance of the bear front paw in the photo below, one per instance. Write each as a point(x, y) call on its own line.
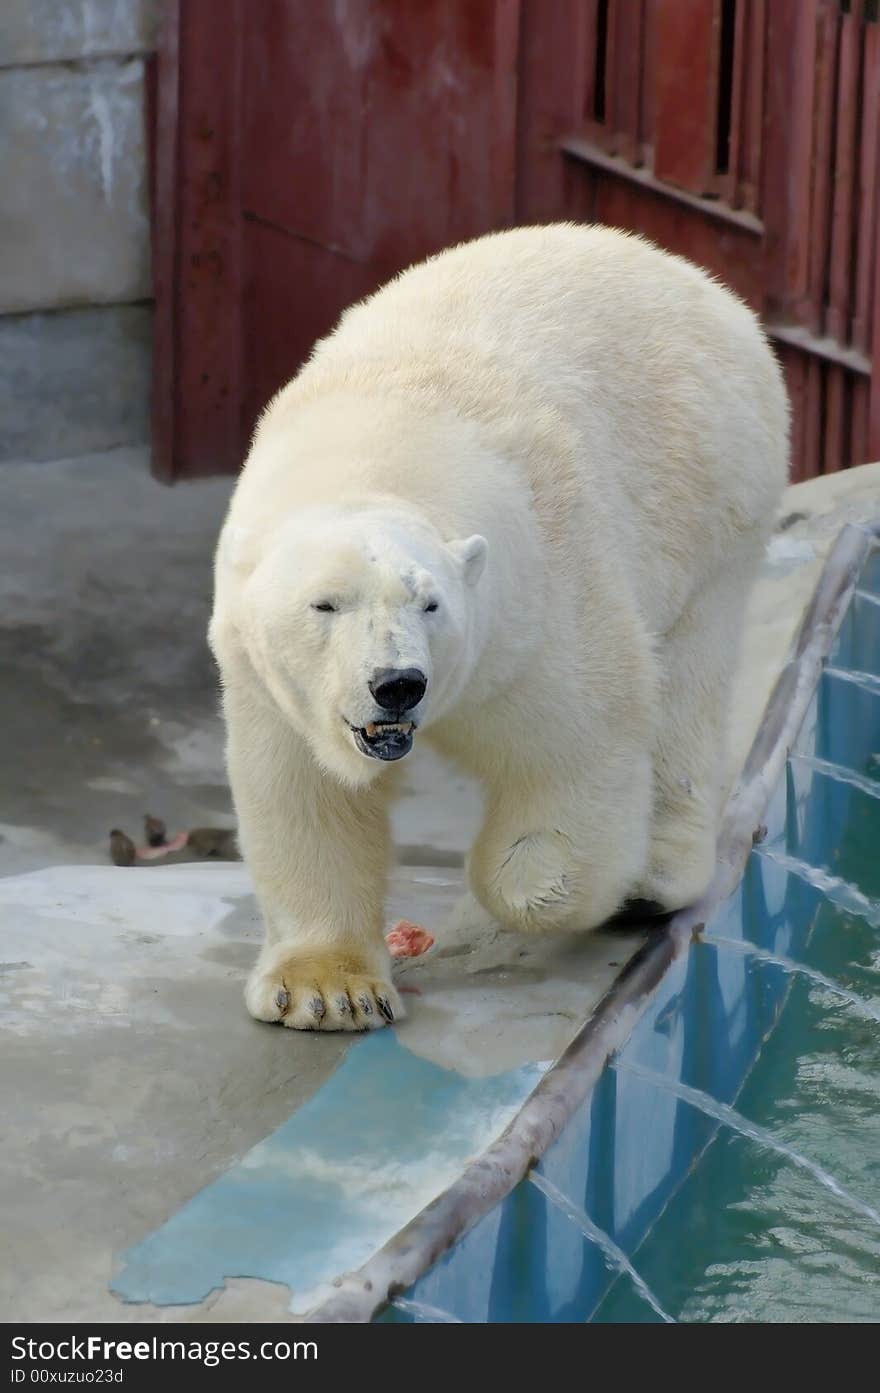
point(320, 991)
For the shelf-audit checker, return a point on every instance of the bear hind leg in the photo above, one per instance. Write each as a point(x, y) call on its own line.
point(698, 663)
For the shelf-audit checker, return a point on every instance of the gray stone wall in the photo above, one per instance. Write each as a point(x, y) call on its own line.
point(74, 226)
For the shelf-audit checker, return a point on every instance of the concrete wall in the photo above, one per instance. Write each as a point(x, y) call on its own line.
point(74, 230)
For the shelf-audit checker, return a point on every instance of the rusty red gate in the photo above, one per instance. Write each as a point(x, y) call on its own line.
point(306, 150)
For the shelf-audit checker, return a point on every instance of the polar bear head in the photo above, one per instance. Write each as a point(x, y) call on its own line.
point(364, 626)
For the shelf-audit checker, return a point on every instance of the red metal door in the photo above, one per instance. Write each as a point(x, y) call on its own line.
point(308, 150)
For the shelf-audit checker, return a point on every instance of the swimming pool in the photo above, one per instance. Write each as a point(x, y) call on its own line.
point(726, 1164)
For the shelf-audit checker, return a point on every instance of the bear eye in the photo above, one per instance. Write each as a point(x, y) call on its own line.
point(431, 606)
point(325, 607)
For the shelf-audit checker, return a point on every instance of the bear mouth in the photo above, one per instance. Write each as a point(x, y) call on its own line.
point(384, 739)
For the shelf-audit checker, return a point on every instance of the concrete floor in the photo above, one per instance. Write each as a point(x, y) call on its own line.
point(133, 1076)
point(108, 703)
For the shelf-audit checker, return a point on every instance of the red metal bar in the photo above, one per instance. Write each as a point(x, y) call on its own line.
point(579, 61)
point(607, 131)
point(592, 54)
point(748, 183)
point(808, 307)
point(648, 84)
point(714, 209)
point(556, 74)
point(628, 19)
point(858, 450)
point(687, 42)
point(873, 432)
point(812, 448)
point(727, 183)
point(837, 316)
point(834, 445)
point(502, 133)
point(795, 366)
point(788, 151)
point(868, 198)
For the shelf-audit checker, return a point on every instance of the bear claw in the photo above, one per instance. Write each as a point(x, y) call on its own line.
point(320, 993)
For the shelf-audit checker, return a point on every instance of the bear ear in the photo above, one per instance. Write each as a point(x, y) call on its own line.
point(471, 555)
point(234, 547)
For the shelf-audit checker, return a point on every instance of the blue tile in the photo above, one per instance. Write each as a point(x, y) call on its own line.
point(386, 1134)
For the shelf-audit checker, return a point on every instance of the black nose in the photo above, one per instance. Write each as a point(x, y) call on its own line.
point(398, 688)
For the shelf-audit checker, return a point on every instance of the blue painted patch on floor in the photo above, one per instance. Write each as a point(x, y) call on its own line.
point(386, 1134)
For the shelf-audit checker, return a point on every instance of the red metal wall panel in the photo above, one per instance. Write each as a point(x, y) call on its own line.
point(375, 79)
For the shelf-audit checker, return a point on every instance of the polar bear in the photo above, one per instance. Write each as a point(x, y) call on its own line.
point(513, 506)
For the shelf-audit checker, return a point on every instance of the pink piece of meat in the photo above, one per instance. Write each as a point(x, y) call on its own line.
point(408, 940)
point(154, 853)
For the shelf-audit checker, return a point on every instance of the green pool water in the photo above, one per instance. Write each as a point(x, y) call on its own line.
point(750, 1236)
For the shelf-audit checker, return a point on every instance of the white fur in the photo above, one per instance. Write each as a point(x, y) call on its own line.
point(575, 444)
